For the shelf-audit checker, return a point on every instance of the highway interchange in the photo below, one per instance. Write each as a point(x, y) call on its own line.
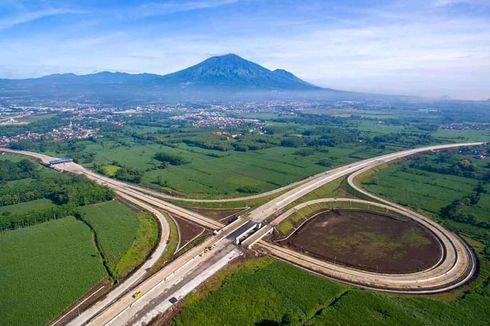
point(120, 307)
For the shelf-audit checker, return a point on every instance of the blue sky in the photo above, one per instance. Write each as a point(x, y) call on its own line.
point(428, 48)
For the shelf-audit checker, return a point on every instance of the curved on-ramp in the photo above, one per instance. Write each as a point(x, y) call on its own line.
point(456, 266)
point(385, 158)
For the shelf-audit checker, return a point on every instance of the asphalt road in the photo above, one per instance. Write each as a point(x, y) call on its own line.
point(135, 277)
point(202, 259)
point(278, 203)
point(454, 268)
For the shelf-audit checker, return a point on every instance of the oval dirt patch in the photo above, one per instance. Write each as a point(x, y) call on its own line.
point(367, 240)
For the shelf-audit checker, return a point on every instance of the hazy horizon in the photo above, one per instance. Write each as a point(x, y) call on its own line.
point(430, 49)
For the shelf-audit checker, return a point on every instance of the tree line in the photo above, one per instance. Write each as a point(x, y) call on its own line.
point(17, 170)
point(66, 191)
point(455, 210)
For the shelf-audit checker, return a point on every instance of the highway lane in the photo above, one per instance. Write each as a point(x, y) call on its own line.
point(186, 286)
point(168, 281)
point(368, 280)
point(324, 178)
point(137, 275)
point(259, 214)
point(121, 187)
point(45, 159)
point(176, 279)
point(176, 286)
point(455, 266)
point(130, 191)
point(275, 205)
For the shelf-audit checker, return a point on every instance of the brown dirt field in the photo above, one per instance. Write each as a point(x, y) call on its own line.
point(188, 230)
point(218, 214)
point(367, 240)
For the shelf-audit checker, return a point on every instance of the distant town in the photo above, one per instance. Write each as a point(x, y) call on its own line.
point(81, 121)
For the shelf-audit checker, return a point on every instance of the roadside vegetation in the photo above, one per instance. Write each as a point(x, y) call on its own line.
point(61, 235)
point(264, 291)
point(209, 162)
point(124, 237)
point(172, 244)
point(338, 188)
point(31, 194)
point(298, 217)
point(143, 243)
point(45, 268)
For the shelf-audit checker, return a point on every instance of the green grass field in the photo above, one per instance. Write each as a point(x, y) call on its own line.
point(26, 206)
point(268, 292)
point(423, 190)
point(265, 291)
point(44, 268)
point(118, 228)
point(205, 175)
point(143, 243)
point(462, 135)
point(483, 205)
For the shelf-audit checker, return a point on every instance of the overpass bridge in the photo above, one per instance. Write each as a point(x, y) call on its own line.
point(181, 273)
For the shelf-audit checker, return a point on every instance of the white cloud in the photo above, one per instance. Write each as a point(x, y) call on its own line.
point(30, 16)
point(155, 9)
point(444, 3)
point(383, 51)
point(448, 3)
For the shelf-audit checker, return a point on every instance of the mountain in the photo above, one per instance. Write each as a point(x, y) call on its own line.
point(231, 71)
point(105, 77)
point(221, 72)
point(221, 77)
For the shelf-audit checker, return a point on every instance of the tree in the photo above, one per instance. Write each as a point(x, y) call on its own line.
point(168, 158)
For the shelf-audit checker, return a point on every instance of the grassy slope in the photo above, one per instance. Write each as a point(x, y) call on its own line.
point(116, 226)
point(44, 268)
point(141, 246)
point(173, 241)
